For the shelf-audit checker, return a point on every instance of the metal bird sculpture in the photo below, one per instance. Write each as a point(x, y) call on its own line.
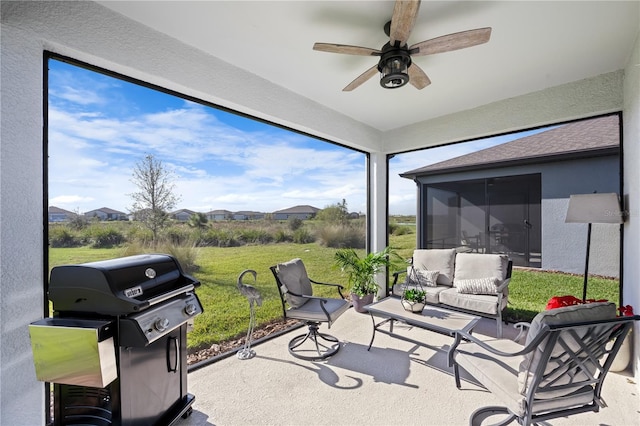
point(254, 298)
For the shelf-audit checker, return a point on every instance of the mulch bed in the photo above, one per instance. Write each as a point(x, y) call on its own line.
point(197, 355)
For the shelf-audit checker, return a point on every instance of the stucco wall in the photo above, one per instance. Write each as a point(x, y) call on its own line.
point(21, 222)
point(564, 244)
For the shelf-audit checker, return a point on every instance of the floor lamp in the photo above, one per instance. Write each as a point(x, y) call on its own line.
point(593, 208)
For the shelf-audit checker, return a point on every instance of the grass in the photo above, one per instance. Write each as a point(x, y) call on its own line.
point(226, 312)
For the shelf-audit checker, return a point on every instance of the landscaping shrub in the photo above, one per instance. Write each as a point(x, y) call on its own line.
point(61, 236)
point(214, 237)
point(186, 255)
point(105, 237)
point(294, 223)
point(303, 236)
point(342, 236)
point(177, 235)
point(255, 236)
point(281, 236)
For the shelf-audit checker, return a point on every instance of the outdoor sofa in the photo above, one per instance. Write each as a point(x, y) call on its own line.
point(474, 283)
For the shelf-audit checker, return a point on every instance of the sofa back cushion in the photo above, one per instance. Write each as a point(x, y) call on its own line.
point(477, 265)
point(569, 314)
point(441, 260)
point(293, 275)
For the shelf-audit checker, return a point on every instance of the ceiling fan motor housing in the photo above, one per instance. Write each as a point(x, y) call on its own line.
point(393, 66)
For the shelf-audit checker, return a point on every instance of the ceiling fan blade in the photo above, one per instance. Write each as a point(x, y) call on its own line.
point(451, 42)
point(417, 77)
point(362, 78)
point(404, 17)
point(346, 49)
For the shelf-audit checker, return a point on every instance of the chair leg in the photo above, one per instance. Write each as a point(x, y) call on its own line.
point(481, 414)
point(323, 351)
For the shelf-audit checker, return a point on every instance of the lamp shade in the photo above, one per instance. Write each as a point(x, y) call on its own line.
point(594, 208)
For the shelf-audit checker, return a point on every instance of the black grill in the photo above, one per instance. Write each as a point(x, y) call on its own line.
point(148, 301)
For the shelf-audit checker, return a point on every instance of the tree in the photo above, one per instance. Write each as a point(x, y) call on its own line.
point(335, 213)
point(198, 221)
point(155, 197)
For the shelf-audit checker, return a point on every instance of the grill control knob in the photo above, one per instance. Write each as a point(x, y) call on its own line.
point(161, 324)
point(190, 309)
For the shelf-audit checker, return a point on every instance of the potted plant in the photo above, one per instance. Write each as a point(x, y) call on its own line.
point(361, 273)
point(414, 300)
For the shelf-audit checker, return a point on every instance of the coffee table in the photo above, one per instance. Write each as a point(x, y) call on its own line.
point(431, 318)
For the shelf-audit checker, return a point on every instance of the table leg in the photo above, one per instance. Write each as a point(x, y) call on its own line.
point(373, 320)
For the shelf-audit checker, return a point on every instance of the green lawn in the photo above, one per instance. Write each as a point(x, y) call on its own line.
point(226, 312)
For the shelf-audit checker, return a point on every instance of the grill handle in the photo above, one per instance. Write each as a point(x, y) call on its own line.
point(169, 295)
point(176, 363)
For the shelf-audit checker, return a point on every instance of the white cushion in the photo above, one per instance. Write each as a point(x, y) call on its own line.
point(478, 285)
point(480, 265)
point(441, 260)
point(421, 277)
point(293, 275)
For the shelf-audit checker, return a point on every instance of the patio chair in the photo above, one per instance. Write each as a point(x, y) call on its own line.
point(560, 370)
point(298, 302)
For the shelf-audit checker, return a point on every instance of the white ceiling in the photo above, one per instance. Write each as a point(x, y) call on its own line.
point(534, 45)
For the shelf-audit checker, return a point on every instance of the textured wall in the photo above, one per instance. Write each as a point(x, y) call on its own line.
point(21, 218)
point(564, 244)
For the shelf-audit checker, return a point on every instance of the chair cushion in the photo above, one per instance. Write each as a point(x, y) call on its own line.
point(293, 275)
point(312, 311)
point(482, 303)
point(498, 374)
point(480, 265)
point(478, 285)
point(568, 314)
point(441, 260)
point(421, 277)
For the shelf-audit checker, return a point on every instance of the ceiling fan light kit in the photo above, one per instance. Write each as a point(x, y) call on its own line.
point(393, 68)
point(395, 65)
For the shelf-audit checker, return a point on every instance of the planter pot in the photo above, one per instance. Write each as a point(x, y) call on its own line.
point(623, 358)
point(412, 306)
point(360, 302)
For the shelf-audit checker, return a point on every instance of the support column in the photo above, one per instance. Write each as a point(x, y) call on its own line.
point(378, 183)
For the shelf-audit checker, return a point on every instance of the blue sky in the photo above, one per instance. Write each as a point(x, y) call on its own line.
point(100, 127)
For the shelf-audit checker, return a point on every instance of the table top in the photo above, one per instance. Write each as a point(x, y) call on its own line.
point(432, 318)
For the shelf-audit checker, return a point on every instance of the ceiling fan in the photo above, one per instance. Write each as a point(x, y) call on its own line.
point(395, 65)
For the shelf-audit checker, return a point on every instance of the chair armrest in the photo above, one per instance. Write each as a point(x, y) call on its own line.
point(504, 285)
point(461, 335)
point(396, 275)
point(338, 287)
point(524, 327)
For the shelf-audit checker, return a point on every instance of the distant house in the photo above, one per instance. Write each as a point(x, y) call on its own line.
point(300, 212)
point(105, 213)
point(512, 198)
point(219, 215)
point(247, 215)
point(56, 214)
point(182, 215)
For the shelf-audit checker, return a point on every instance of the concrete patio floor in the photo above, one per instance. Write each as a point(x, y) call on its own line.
point(396, 383)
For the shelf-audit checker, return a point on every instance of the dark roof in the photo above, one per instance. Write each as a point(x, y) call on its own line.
point(579, 139)
point(106, 210)
point(183, 211)
point(58, 210)
point(299, 209)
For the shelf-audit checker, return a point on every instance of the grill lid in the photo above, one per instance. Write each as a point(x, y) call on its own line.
point(118, 286)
